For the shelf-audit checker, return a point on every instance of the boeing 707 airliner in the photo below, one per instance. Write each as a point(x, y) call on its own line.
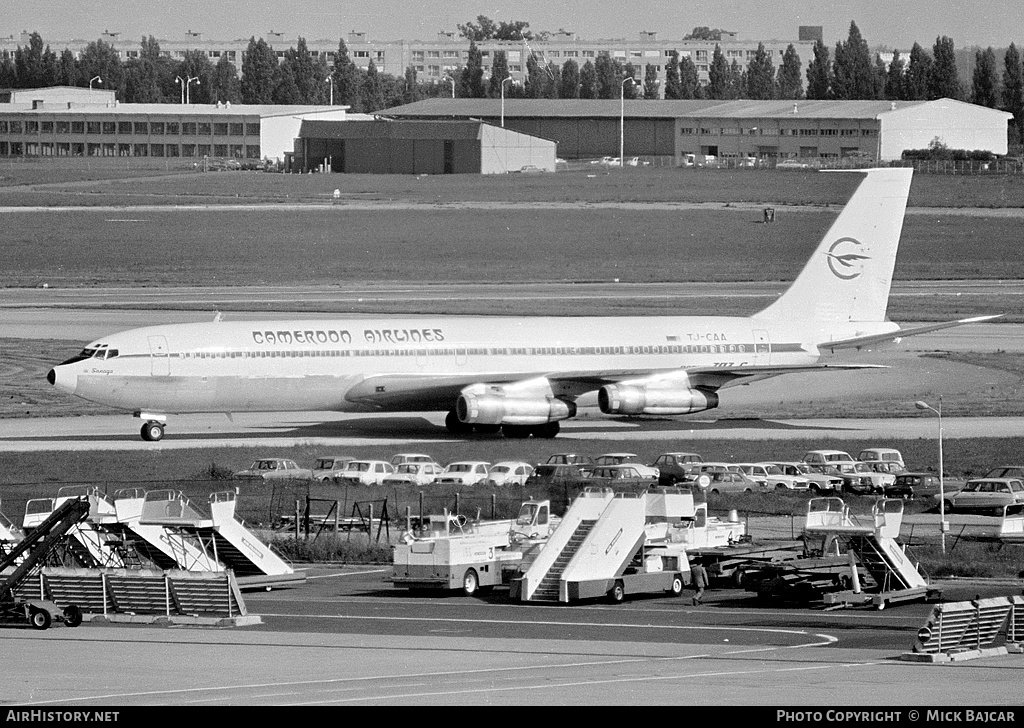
point(521, 376)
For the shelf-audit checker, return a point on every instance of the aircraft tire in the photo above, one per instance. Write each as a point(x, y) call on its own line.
point(547, 430)
point(515, 432)
point(153, 431)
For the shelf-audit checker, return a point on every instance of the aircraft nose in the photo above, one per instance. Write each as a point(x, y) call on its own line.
point(63, 379)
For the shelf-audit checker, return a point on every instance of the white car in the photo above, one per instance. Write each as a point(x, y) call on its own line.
point(770, 476)
point(826, 457)
point(509, 472)
point(627, 458)
point(463, 472)
point(366, 472)
point(414, 474)
point(817, 480)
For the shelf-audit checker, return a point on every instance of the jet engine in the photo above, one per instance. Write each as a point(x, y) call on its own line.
point(499, 409)
point(637, 399)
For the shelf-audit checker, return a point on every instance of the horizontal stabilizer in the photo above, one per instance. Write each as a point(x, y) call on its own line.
point(859, 342)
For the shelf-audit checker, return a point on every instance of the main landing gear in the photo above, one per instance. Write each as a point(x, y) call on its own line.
point(153, 431)
point(517, 432)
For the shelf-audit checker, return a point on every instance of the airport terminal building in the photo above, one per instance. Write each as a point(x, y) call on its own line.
point(671, 130)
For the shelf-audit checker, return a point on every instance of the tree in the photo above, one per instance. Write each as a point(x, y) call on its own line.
point(100, 59)
point(919, 71)
point(471, 80)
point(607, 77)
point(853, 74)
point(628, 90)
point(789, 79)
point(487, 29)
point(673, 89)
point(569, 86)
point(373, 90)
point(894, 78)
point(588, 81)
point(309, 77)
point(651, 82)
point(259, 66)
point(286, 85)
point(499, 72)
point(30, 65)
point(719, 76)
point(944, 81)
point(553, 80)
point(535, 78)
point(704, 33)
point(196, 64)
point(761, 75)
point(346, 79)
point(1013, 88)
point(689, 80)
point(8, 72)
point(224, 85)
point(819, 73)
point(985, 85)
point(67, 69)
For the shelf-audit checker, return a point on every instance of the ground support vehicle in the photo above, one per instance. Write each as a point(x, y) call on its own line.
point(29, 555)
point(741, 563)
point(610, 545)
point(449, 552)
point(871, 551)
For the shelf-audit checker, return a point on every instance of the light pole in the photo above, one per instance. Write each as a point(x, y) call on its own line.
point(511, 80)
point(330, 80)
point(94, 78)
point(622, 117)
point(942, 489)
point(188, 90)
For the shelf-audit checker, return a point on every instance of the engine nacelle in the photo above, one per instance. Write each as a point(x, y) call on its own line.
point(497, 409)
point(632, 399)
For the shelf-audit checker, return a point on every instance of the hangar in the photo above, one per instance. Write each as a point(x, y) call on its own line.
point(418, 147)
point(670, 130)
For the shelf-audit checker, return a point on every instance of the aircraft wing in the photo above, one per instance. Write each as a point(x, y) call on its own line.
point(860, 342)
point(403, 391)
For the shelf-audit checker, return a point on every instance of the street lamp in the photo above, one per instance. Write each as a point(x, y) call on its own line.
point(511, 80)
point(186, 96)
point(942, 489)
point(94, 78)
point(330, 80)
point(622, 116)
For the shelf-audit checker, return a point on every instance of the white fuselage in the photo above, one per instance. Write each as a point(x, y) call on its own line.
point(324, 364)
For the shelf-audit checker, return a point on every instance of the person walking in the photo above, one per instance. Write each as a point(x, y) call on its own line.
point(699, 580)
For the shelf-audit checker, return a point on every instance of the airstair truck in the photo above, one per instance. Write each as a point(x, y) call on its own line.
point(602, 547)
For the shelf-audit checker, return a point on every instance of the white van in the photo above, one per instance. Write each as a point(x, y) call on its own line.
point(881, 454)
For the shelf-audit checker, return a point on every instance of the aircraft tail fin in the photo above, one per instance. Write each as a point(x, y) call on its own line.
point(848, 277)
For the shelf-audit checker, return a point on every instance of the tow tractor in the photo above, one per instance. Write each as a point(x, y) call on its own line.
point(450, 552)
point(29, 555)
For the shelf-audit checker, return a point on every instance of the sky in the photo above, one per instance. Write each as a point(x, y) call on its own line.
point(883, 23)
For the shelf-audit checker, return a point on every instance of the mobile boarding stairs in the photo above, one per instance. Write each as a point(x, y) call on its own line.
point(609, 544)
point(873, 543)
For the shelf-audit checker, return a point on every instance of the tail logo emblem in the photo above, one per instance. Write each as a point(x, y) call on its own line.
point(845, 259)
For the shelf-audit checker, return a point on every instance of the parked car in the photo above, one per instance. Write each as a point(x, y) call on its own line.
point(274, 469)
point(820, 478)
point(887, 467)
point(562, 474)
point(881, 454)
point(732, 482)
point(676, 467)
point(913, 485)
point(411, 457)
point(622, 458)
point(988, 495)
point(329, 467)
point(797, 164)
point(414, 474)
point(570, 458)
point(860, 479)
point(366, 472)
point(1006, 471)
point(621, 475)
point(826, 457)
point(508, 472)
point(773, 477)
point(463, 472)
